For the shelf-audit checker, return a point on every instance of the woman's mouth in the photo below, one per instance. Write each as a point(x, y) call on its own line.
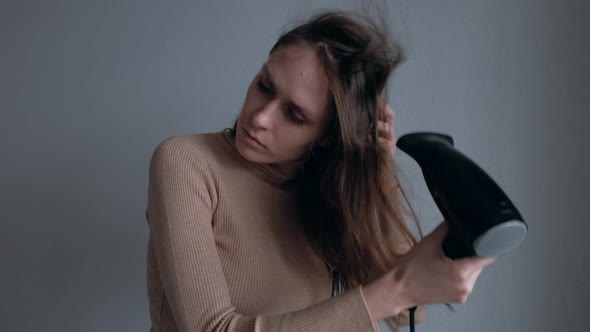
point(252, 140)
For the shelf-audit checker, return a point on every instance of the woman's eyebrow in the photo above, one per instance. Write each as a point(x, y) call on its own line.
point(269, 77)
point(304, 112)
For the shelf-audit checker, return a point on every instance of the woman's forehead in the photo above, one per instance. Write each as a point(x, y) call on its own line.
point(300, 52)
point(297, 73)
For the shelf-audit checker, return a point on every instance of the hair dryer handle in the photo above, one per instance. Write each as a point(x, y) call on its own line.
point(455, 247)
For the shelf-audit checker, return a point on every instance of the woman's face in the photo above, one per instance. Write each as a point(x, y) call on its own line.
point(286, 108)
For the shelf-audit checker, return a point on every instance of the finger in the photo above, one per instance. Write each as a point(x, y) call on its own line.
point(480, 261)
point(384, 130)
point(487, 261)
point(472, 278)
point(441, 228)
point(476, 263)
point(385, 143)
point(386, 146)
point(476, 271)
point(380, 103)
point(388, 114)
point(438, 234)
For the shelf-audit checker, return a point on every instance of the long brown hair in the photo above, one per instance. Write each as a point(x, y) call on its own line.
point(350, 196)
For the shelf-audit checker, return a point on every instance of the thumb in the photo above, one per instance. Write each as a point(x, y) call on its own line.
point(435, 239)
point(439, 233)
point(476, 262)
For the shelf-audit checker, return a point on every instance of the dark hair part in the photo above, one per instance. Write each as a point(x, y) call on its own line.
point(350, 195)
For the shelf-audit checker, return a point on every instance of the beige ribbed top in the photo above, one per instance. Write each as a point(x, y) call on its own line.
point(226, 251)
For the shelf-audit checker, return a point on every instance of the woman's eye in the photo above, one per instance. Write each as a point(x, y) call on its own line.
point(294, 117)
point(263, 88)
point(290, 113)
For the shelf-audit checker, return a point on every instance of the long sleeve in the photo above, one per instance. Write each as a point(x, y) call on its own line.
point(182, 202)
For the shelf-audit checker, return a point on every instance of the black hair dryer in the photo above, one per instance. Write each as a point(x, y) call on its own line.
point(482, 221)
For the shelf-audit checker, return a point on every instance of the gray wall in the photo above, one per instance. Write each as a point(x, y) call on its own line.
point(88, 89)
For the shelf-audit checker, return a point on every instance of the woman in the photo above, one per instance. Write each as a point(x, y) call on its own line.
point(292, 220)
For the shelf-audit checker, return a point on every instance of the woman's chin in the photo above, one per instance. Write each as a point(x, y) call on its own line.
point(250, 154)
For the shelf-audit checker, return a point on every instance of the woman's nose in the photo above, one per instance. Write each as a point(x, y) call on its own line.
point(263, 118)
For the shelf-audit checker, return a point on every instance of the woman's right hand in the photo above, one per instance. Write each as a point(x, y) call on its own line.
point(424, 275)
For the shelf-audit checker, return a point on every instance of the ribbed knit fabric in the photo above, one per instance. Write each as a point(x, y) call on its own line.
point(226, 251)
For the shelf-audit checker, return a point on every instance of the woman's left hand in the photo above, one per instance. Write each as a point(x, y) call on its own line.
point(385, 132)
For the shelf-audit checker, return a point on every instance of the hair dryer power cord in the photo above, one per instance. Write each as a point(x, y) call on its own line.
point(412, 312)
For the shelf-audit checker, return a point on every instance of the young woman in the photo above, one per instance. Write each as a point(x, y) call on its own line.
point(292, 220)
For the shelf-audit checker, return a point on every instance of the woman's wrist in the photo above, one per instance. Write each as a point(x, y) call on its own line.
point(385, 297)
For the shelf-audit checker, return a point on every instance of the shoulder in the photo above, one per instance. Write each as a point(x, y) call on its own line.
point(179, 168)
point(188, 146)
point(185, 151)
